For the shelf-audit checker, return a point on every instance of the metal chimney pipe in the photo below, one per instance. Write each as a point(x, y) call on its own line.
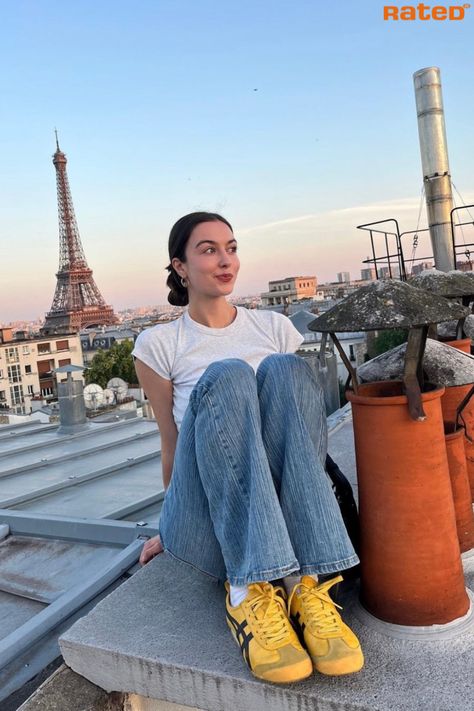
point(72, 409)
point(434, 160)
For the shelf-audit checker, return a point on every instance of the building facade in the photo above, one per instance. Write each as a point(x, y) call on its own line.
point(337, 289)
point(27, 368)
point(389, 272)
point(92, 341)
point(464, 266)
point(421, 267)
point(289, 290)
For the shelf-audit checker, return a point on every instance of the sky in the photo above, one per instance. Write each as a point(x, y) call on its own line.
point(293, 118)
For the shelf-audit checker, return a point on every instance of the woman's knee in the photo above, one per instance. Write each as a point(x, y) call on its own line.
point(227, 370)
point(230, 380)
point(287, 368)
point(229, 366)
point(280, 363)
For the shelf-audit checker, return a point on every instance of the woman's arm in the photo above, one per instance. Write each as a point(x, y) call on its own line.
point(160, 394)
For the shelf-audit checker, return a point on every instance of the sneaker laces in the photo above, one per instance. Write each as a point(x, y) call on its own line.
point(321, 615)
point(269, 611)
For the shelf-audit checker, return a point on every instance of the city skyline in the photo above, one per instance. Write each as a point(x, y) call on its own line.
point(297, 123)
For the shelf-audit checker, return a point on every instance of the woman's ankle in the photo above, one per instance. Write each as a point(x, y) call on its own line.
point(237, 594)
point(290, 581)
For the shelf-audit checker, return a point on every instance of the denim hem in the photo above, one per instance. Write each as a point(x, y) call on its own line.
point(264, 575)
point(213, 576)
point(334, 567)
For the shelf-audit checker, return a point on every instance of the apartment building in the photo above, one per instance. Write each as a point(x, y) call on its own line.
point(27, 367)
point(289, 290)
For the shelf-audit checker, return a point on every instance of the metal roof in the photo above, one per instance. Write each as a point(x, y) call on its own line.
point(99, 472)
point(58, 552)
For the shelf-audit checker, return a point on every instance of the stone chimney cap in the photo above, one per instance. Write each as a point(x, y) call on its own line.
point(444, 365)
point(448, 284)
point(386, 304)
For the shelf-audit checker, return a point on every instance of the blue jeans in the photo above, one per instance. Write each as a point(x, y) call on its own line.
point(249, 498)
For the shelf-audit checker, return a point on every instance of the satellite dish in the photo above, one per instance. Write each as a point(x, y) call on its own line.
point(93, 396)
point(118, 386)
point(109, 396)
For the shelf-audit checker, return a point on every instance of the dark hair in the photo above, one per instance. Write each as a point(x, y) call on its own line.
point(178, 239)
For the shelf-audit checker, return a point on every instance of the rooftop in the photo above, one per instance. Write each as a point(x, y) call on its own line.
point(185, 654)
point(71, 510)
point(110, 470)
point(292, 278)
point(61, 553)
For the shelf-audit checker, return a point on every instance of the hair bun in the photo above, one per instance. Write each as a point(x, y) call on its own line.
point(178, 295)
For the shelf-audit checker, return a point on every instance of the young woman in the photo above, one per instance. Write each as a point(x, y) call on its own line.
point(243, 446)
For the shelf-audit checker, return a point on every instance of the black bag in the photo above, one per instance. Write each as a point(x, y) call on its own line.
point(345, 498)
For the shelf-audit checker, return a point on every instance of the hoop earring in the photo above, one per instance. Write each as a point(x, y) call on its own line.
point(184, 283)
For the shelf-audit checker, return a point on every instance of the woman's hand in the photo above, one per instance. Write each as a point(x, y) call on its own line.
point(151, 548)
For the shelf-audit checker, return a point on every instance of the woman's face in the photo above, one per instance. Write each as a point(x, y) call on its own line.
point(212, 264)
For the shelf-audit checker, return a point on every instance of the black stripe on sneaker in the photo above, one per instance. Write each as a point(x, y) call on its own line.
point(239, 627)
point(245, 647)
point(242, 638)
point(301, 625)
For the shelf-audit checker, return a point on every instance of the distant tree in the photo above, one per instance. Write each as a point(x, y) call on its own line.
point(117, 362)
point(386, 340)
point(99, 369)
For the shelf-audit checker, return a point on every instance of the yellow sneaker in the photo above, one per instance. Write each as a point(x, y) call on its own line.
point(268, 642)
point(333, 647)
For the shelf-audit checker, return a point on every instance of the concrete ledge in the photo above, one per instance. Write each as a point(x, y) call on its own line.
point(163, 635)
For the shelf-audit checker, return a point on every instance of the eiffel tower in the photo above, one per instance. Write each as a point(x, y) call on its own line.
point(77, 301)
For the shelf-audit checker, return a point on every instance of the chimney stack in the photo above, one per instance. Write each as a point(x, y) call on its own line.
point(434, 160)
point(72, 409)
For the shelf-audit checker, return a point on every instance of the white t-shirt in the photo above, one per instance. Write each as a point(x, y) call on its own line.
point(181, 350)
